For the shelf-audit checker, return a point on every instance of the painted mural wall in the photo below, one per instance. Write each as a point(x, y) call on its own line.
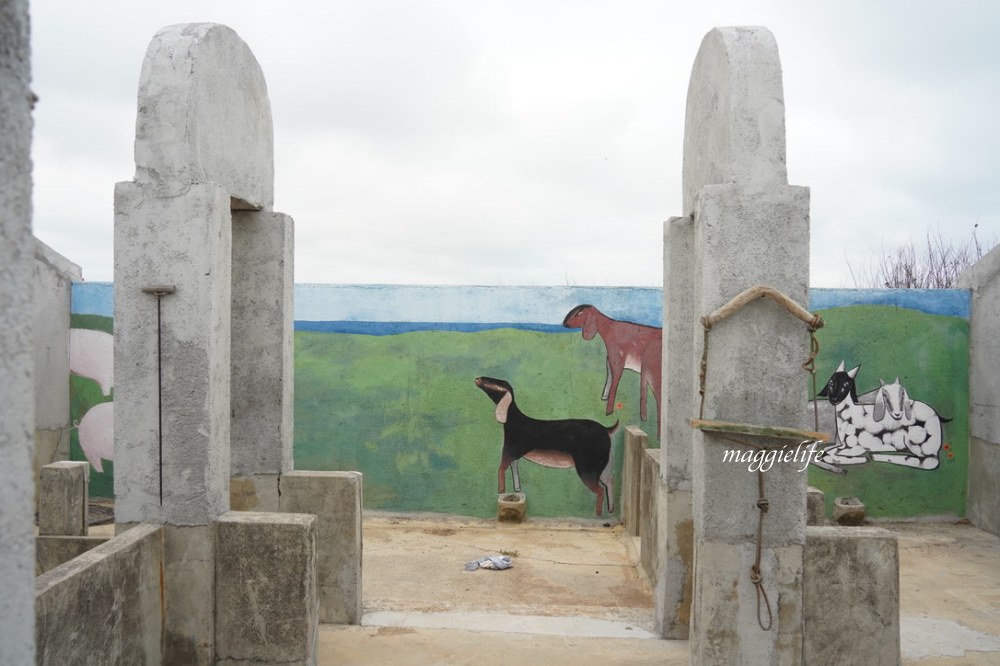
point(895, 366)
point(386, 383)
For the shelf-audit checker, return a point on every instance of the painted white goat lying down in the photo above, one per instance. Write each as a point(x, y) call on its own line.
point(895, 429)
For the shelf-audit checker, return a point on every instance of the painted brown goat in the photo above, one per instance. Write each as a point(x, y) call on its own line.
point(630, 347)
point(563, 443)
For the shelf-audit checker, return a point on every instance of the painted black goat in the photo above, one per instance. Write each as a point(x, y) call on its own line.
point(562, 443)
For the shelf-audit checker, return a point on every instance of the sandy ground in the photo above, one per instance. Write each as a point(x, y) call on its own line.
point(576, 595)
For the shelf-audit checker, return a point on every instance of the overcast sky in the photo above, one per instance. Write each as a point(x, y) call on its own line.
point(536, 142)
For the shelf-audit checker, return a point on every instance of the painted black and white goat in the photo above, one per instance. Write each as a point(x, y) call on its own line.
point(893, 428)
point(562, 443)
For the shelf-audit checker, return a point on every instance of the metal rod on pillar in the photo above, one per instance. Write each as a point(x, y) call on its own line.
point(159, 291)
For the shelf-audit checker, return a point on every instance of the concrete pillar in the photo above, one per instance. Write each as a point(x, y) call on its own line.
point(983, 499)
point(17, 413)
point(673, 592)
point(62, 499)
point(748, 227)
point(636, 442)
point(172, 355)
point(335, 498)
point(203, 148)
point(267, 609)
point(851, 596)
point(262, 365)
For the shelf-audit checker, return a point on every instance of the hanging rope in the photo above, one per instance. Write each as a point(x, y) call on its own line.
point(813, 323)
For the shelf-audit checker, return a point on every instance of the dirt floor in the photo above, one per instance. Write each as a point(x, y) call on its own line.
point(575, 595)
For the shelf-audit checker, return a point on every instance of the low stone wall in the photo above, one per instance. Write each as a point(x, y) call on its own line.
point(114, 592)
point(636, 442)
point(650, 514)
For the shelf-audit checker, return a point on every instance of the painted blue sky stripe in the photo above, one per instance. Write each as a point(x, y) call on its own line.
point(93, 298)
point(472, 305)
point(948, 302)
point(533, 308)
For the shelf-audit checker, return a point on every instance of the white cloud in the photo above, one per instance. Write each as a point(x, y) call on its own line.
point(523, 142)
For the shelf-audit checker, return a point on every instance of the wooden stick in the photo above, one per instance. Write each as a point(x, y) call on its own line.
point(793, 308)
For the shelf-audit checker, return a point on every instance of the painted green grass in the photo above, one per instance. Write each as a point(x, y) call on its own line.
point(404, 410)
point(929, 353)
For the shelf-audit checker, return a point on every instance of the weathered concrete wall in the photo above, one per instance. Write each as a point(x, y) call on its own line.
point(335, 499)
point(651, 514)
point(17, 402)
point(188, 594)
point(267, 609)
point(117, 585)
point(851, 597)
point(984, 392)
point(52, 289)
point(636, 443)
point(51, 551)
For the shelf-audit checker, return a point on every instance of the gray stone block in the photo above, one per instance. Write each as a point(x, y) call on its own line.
point(62, 499)
point(851, 596)
point(335, 499)
point(266, 607)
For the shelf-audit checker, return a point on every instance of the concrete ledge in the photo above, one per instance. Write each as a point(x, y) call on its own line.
point(62, 499)
point(851, 596)
point(51, 551)
point(114, 589)
point(335, 499)
point(636, 442)
point(266, 608)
